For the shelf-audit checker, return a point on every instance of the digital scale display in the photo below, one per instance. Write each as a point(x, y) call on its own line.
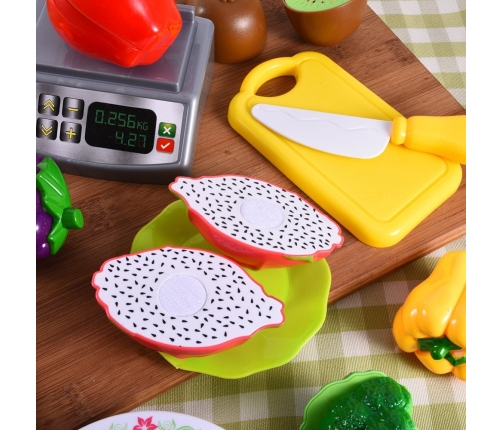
point(135, 124)
point(120, 127)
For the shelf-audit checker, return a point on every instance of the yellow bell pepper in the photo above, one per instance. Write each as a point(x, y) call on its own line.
point(432, 321)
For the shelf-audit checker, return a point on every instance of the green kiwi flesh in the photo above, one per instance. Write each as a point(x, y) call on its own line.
point(314, 5)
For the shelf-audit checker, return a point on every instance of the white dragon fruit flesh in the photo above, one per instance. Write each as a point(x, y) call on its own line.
point(184, 301)
point(257, 224)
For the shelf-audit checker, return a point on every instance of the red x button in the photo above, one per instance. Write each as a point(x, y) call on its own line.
point(165, 145)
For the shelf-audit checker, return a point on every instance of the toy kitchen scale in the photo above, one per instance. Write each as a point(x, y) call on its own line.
point(136, 124)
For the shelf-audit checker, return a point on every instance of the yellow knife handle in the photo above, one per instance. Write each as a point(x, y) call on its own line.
point(441, 135)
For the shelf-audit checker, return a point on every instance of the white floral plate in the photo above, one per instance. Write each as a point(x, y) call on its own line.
point(152, 420)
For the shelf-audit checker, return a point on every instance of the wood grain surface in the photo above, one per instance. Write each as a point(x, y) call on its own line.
point(87, 369)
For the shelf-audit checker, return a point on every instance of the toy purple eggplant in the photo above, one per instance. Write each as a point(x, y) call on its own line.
point(55, 214)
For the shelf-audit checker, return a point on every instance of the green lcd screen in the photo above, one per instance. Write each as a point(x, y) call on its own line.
point(123, 128)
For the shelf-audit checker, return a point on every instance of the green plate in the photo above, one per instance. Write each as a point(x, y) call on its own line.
point(303, 289)
point(319, 405)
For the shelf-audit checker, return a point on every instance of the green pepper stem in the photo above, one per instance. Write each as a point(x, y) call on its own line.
point(72, 218)
point(440, 348)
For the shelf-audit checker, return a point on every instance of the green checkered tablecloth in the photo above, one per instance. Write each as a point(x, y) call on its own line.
point(356, 335)
point(434, 30)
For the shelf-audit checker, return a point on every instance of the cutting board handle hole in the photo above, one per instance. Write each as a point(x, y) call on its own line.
point(277, 86)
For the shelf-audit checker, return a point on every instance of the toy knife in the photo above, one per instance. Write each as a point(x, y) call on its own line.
point(357, 137)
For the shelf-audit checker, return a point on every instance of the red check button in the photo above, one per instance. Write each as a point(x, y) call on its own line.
point(165, 145)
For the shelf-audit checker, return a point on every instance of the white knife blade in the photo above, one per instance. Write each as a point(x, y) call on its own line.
point(344, 135)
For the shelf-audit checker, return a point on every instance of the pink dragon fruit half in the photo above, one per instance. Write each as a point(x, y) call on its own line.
point(183, 301)
point(257, 224)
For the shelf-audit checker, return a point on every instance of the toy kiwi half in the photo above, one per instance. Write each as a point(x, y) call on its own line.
point(325, 22)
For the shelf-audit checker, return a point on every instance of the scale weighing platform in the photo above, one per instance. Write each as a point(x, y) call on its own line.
point(138, 124)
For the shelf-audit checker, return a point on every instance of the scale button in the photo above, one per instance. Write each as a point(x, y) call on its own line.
point(166, 129)
point(73, 108)
point(70, 132)
point(165, 145)
point(47, 128)
point(48, 104)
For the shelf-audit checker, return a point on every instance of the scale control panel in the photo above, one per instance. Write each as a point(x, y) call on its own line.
point(107, 128)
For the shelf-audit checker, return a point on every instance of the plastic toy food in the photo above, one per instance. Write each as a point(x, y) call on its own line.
point(379, 403)
point(55, 215)
point(432, 321)
point(240, 29)
point(304, 308)
point(183, 301)
point(255, 223)
point(127, 33)
point(362, 400)
point(325, 23)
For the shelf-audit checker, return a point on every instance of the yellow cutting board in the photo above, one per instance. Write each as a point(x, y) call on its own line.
point(379, 200)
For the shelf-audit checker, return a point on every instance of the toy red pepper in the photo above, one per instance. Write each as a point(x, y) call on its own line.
point(432, 321)
point(127, 32)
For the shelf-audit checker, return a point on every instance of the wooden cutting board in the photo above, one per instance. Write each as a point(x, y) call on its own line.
point(87, 369)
